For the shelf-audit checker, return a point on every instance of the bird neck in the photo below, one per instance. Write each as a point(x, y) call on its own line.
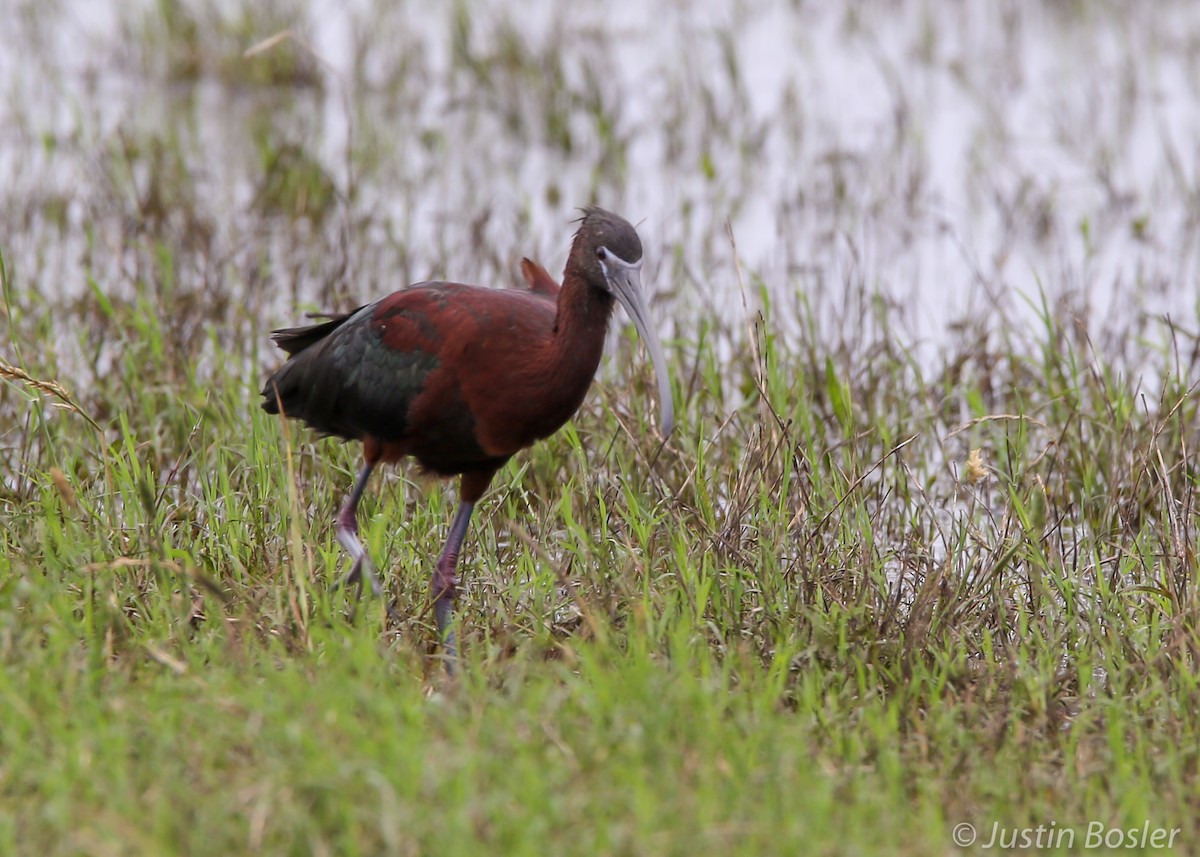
point(580, 325)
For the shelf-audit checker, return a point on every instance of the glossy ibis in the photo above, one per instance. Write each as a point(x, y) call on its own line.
point(462, 377)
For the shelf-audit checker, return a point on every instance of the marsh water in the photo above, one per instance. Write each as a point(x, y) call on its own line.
point(942, 161)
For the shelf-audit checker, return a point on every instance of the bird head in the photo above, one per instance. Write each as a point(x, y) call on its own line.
point(609, 252)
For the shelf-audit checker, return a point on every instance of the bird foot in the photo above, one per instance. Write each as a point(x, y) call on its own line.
point(358, 572)
point(445, 587)
point(443, 608)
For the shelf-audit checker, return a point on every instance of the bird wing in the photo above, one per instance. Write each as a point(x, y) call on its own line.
point(427, 368)
point(538, 279)
point(346, 378)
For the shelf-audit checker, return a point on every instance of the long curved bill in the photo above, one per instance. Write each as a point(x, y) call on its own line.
point(626, 282)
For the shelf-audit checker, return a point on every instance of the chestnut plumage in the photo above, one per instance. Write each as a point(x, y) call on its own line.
point(462, 377)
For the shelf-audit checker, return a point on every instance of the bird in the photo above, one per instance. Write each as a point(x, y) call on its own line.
point(462, 377)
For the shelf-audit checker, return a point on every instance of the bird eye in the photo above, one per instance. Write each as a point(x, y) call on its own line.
point(601, 253)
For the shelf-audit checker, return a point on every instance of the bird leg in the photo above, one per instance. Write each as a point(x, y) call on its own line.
point(347, 535)
point(445, 581)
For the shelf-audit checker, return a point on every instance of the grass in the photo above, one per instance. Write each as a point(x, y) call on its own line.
point(868, 591)
point(800, 620)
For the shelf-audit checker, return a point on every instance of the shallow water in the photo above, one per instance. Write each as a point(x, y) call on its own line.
point(954, 158)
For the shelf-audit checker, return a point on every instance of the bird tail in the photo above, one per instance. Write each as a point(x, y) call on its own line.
point(293, 340)
point(281, 388)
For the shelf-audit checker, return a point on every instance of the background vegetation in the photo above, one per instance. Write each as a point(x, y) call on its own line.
point(921, 552)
